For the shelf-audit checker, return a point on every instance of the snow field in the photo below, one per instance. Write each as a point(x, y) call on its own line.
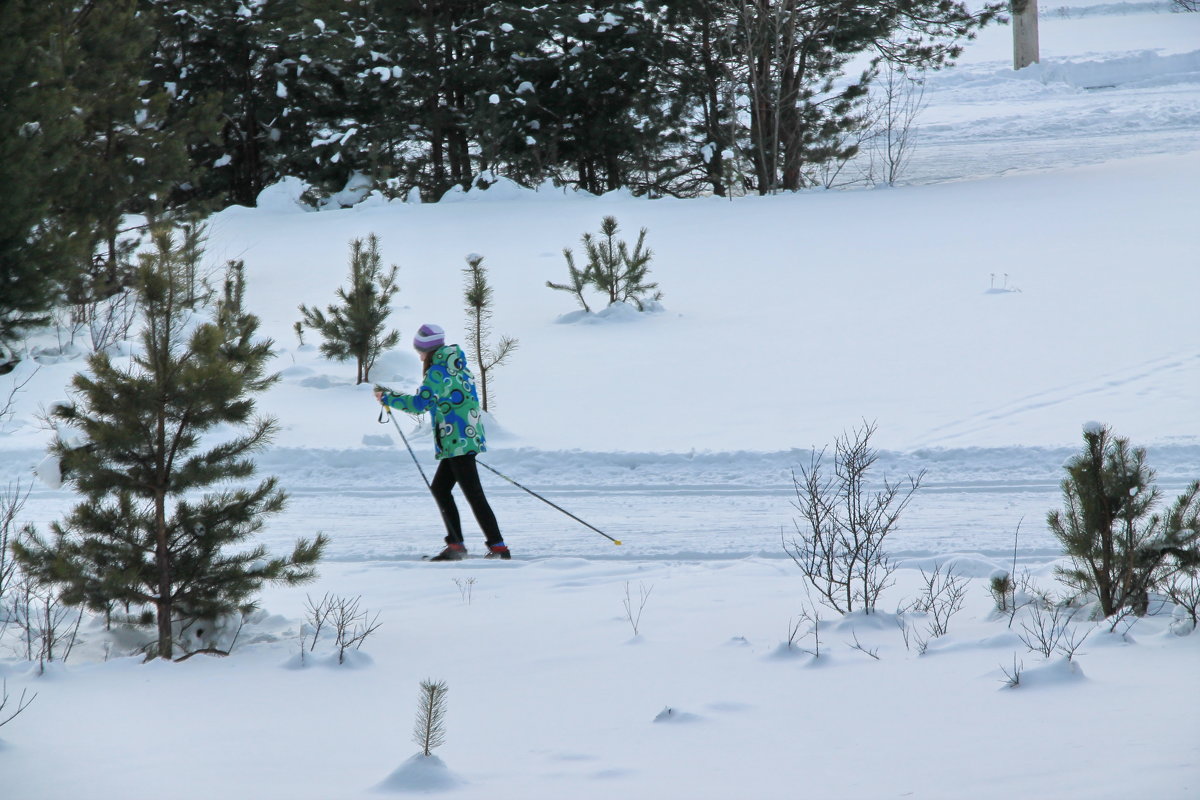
point(552, 694)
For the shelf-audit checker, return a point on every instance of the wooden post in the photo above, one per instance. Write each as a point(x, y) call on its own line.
point(1025, 33)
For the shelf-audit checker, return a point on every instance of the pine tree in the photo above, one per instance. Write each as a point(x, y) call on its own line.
point(129, 158)
point(1119, 550)
point(141, 537)
point(614, 270)
point(429, 729)
point(603, 108)
point(580, 279)
point(243, 72)
point(37, 131)
point(478, 295)
point(132, 158)
point(355, 329)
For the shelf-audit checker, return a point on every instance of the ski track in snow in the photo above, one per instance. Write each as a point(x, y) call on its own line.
point(1150, 374)
point(696, 506)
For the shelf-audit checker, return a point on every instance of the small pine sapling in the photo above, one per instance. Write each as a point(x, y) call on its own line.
point(604, 259)
point(478, 296)
point(612, 269)
point(1001, 588)
point(615, 271)
point(579, 280)
point(1120, 552)
point(356, 328)
point(634, 285)
point(429, 730)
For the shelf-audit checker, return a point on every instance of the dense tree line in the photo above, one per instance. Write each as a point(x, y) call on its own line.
point(149, 106)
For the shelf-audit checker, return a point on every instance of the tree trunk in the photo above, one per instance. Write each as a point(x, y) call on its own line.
point(162, 559)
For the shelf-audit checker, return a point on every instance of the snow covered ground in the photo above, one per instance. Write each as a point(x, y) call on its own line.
point(1036, 270)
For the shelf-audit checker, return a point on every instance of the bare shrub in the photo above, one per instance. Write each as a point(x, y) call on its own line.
point(9, 399)
point(316, 615)
point(47, 628)
point(350, 624)
point(857, 645)
point(1012, 677)
point(635, 615)
point(22, 703)
point(466, 586)
point(1049, 628)
point(893, 107)
point(1183, 589)
point(813, 619)
point(840, 548)
point(12, 500)
point(109, 319)
point(941, 596)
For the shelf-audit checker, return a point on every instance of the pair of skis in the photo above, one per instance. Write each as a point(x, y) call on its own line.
point(497, 472)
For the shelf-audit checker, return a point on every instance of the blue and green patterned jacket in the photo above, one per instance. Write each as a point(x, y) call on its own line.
point(448, 393)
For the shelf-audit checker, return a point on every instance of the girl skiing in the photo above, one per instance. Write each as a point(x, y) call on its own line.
point(448, 394)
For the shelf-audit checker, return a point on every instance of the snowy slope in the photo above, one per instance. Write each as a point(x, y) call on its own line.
point(1037, 269)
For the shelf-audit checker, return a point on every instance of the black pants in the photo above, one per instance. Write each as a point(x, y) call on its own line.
point(461, 470)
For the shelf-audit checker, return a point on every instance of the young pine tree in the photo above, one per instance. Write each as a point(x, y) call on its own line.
point(355, 329)
point(143, 535)
point(478, 295)
point(1119, 550)
point(429, 729)
point(580, 279)
point(612, 269)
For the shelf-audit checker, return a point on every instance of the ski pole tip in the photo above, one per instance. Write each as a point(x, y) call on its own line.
point(616, 541)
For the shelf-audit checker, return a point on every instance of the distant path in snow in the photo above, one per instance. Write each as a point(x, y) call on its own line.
point(374, 505)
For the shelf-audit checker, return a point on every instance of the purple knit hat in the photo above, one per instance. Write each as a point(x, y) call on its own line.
point(429, 337)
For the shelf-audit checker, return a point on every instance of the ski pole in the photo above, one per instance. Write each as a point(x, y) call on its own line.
point(404, 438)
point(406, 444)
point(547, 502)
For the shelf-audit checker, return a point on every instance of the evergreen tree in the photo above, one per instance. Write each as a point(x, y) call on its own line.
point(1119, 550)
point(355, 329)
point(478, 295)
point(580, 279)
point(141, 538)
point(38, 128)
point(245, 71)
point(604, 109)
point(429, 728)
point(614, 270)
point(129, 159)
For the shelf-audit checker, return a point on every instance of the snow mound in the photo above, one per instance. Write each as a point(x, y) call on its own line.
point(283, 197)
point(351, 659)
point(1146, 68)
point(1062, 671)
point(618, 312)
point(49, 471)
point(421, 773)
point(675, 716)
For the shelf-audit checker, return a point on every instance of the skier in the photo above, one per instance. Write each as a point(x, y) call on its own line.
point(448, 394)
